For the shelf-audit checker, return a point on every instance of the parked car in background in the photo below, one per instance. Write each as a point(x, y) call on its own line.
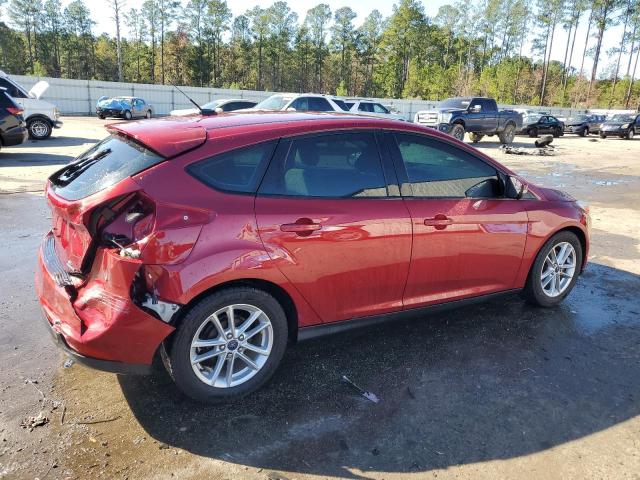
point(578, 124)
point(302, 102)
point(41, 117)
point(292, 226)
point(371, 108)
point(123, 107)
point(220, 105)
point(536, 124)
point(623, 125)
point(478, 116)
point(595, 122)
point(13, 129)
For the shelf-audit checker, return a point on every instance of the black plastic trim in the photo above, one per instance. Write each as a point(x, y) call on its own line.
point(315, 331)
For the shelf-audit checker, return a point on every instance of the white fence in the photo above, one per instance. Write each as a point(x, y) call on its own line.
point(79, 97)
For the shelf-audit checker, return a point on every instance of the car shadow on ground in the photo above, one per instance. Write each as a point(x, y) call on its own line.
point(493, 381)
point(26, 158)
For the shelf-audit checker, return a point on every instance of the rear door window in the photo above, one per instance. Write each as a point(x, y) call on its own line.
point(102, 166)
point(238, 170)
point(344, 165)
point(317, 104)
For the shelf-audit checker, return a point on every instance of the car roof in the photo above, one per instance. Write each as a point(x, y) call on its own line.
point(170, 136)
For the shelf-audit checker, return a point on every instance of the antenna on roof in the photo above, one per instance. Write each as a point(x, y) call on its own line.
point(203, 111)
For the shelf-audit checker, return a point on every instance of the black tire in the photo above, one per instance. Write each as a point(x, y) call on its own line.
point(584, 132)
point(39, 128)
point(457, 132)
point(602, 135)
point(101, 117)
point(179, 364)
point(557, 132)
point(533, 291)
point(533, 132)
point(148, 114)
point(475, 137)
point(127, 115)
point(630, 134)
point(508, 134)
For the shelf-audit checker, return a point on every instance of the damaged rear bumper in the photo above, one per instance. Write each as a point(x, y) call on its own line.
point(96, 321)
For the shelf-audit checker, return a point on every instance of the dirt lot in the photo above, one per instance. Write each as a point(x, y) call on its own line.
point(501, 390)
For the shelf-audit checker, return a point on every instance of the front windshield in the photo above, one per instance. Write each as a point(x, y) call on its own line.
point(461, 103)
point(274, 102)
point(578, 118)
point(212, 105)
point(532, 118)
point(621, 117)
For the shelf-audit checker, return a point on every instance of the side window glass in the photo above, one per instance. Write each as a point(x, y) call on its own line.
point(436, 169)
point(345, 165)
point(475, 104)
point(300, 104)
point(317, 104)
point(379, 108)
point(365, 107)
point(238, 170)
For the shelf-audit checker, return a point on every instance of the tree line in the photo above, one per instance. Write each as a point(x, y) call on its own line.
point(477, 47)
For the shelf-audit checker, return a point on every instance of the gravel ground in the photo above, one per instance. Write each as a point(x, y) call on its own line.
point(500, 390)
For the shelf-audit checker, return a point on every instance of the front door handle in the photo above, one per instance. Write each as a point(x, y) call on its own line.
point(440, 221)
point(302, 226)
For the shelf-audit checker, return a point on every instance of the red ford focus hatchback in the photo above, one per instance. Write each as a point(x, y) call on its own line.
point(213, 242)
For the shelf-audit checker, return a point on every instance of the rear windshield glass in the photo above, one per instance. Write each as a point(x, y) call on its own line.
point(102, 166)
point(341, 104)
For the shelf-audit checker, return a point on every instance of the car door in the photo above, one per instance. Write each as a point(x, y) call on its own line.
point(543, 125)
point(490, 116)
point(474, 120)
point(333, 227)
point(467, 239)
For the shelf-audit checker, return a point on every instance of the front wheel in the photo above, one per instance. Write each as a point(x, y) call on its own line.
point(148, 114)
point(630, 134)
point(507, 135)
point(457, 132)
point(602, 135)
point(584, 132)
point(557, 132)
point(228, 345)
point(555, 270)
point(39, 129)
point(533, 133)
point(127, 115)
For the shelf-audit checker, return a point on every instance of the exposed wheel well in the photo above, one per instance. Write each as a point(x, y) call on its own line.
point(459, 122)
point(271, 288)
point(577, 232)
point(37, 116)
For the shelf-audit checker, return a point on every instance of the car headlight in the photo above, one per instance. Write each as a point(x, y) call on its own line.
point(626, 125)
point(445, 117)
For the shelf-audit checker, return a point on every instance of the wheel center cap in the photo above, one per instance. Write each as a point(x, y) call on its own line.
point(232, 345)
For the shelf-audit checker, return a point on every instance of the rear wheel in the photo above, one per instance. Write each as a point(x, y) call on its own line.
point(533, 132)
point(602, 135)
point(458, 132)
point(228, 345)
point(584, 132)
point(508, 134)
point(148, 114)
point(39, 129)
point(475, 137)
point(555, 270)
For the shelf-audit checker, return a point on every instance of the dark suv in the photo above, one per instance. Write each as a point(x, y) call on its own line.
point(12, 127)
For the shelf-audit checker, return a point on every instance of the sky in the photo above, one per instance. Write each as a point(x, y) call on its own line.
point(102, 15)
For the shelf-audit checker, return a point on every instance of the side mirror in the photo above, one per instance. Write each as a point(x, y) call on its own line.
point(476, 109)
point(516, 188)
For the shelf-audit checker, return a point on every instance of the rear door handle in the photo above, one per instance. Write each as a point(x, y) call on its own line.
point(303, 226)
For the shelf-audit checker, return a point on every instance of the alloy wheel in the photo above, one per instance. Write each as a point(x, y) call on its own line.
point(558, 269)
point(39, 129)
point(231, 345)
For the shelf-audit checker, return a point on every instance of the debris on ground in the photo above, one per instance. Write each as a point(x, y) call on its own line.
point(545, 151)
point(363, 392)
point(35, 421)
point(68, 363)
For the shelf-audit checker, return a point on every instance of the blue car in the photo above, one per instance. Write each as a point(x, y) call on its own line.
point(123, 107)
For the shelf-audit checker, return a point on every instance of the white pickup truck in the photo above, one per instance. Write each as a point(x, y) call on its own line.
point(40, 116)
